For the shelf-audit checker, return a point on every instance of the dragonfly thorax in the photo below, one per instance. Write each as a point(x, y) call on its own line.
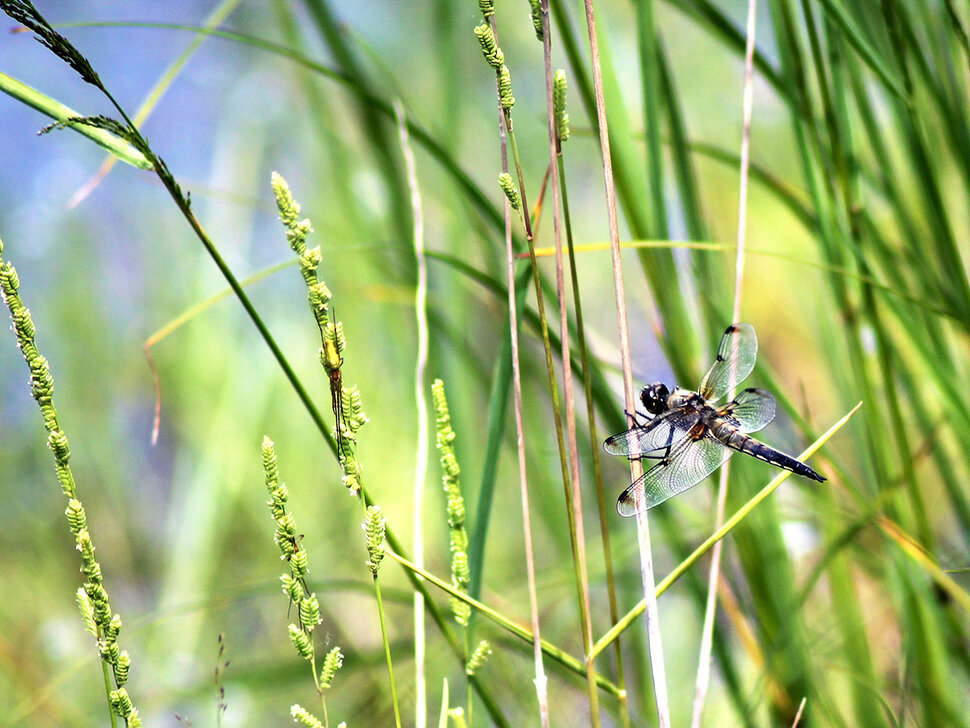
point(654, 397)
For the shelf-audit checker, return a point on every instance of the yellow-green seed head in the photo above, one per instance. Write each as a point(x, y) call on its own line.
point(114, 628)
point(301, 641)
point(270, 467)
point(110, 652)
point(333, 662)
point(505, 88)
point(511, 191)
point(123, 667)
point(310, 612)
point(59, 446)
point(299, 564)
point(87, 612)
point(559, 105)
point(493, 54)
point(75, 515)
point(374, 528)
point(536, 9)
point(478, 658)
point(289, 209)
point(120, 702)
point(303, 716)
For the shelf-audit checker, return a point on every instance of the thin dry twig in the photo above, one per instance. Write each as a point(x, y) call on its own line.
point(567, 373)
point(707, 635)
point(643, 533)
point(540, 679)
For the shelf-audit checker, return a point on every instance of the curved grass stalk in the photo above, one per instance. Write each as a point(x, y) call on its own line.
point(495, 58)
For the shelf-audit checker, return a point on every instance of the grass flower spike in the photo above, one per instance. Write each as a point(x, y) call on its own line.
point(559, 105)
point(496, 59)
point(295, 587)
point(456, 504)
point(374, 529)
point(348, 412)
point(92, 597)
point(535, 9)
point(478, 658)
point(287, 540)
point(333, 662)
point(303, 716)
point(508, 187)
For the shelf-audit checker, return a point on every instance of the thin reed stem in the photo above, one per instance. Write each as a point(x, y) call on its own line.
point(643, 534)
point(573, 470)
point(540, 676)
point(387, 652)
point(702, 681)
point(540, 680)
point(594, 444)
point(421, 452)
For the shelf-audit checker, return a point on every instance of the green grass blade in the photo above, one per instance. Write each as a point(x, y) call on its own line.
point(59, 112)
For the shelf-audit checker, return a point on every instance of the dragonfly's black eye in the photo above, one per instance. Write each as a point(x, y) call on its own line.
point(654, 398)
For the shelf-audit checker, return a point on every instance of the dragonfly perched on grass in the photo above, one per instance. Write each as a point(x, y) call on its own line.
point(690, 435)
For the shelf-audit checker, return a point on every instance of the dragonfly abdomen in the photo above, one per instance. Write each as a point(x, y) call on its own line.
point(737, 440)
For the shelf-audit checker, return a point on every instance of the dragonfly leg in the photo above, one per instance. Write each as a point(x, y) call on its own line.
point(636, 416)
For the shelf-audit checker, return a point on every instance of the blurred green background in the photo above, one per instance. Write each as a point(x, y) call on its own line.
point(856, 283)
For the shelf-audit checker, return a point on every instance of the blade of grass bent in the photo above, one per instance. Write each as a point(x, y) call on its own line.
point(420, 135)
point(43, 103)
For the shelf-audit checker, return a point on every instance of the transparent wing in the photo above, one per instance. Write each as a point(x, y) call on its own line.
point(750, 411)
point(735, 360)
point(660, 433)
point(689, 462)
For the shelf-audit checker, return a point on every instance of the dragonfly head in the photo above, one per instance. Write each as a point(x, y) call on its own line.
point(654, 398)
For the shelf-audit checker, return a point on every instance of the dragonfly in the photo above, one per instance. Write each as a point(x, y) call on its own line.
point(690, 435)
